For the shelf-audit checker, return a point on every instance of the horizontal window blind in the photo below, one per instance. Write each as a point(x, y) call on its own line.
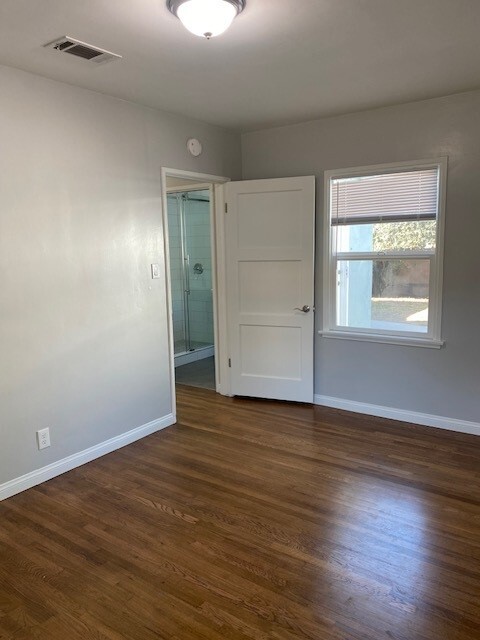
point(387, 197)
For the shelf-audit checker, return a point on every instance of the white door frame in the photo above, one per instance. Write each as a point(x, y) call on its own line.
point(217, 209)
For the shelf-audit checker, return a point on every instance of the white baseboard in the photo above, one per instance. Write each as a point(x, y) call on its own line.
point(38, 476)
point(425, 419)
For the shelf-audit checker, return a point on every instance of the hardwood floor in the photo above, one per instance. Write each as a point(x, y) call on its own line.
point(252, 520)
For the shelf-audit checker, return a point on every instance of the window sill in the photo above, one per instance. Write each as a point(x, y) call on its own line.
point(384, 339)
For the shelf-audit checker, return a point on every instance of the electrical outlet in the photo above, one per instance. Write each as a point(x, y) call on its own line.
point(43, 438)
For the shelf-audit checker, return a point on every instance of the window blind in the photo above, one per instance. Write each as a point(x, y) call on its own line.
point(387, 197)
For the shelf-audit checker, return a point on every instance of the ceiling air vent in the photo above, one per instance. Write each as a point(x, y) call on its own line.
point(82, 50)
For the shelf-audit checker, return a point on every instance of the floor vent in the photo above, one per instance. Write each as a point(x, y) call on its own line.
point(82, 50)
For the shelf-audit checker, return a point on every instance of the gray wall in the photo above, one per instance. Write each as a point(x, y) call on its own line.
point(83, 330)
point(443, 382)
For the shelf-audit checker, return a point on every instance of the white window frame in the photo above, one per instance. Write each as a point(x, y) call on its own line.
point(330, 329)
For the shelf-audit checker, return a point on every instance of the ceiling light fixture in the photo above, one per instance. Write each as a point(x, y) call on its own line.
point(206, 18)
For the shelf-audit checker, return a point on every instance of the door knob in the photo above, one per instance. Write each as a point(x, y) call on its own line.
point(305, 308)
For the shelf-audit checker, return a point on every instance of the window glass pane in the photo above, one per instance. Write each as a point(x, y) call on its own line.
point(385, 295)
point(386, 236)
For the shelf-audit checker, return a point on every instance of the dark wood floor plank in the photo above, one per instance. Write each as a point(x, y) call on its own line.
point(252, 520)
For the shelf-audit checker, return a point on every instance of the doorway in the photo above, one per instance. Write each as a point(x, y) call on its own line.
point(186, 197)
point(263, 303)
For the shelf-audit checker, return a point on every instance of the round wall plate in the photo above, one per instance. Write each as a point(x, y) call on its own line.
point(194, 146)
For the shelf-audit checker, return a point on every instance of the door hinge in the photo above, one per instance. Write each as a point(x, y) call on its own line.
point(226, 207)
point(230, 363)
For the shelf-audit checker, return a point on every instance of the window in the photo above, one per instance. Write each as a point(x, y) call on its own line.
point(383, 253)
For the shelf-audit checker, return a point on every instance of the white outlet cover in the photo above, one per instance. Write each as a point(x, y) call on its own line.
point(43, 438)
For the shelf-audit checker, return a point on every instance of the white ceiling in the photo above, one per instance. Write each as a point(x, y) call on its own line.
point(281, 61)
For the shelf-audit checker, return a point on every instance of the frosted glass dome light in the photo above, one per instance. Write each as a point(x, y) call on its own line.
point(206, 18)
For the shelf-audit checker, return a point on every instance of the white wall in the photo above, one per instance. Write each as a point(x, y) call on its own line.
point(83, 330)
point(445, 382)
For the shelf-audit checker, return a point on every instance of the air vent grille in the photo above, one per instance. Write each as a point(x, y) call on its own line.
point(82, 50)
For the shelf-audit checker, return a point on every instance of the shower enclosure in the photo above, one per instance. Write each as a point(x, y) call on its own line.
point(191, 274)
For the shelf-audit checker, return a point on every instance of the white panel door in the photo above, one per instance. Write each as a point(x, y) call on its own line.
point(270, 287)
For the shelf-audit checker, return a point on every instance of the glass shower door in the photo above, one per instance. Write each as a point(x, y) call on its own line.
point(198, 266)
point(177, 279)
point(191, 270)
